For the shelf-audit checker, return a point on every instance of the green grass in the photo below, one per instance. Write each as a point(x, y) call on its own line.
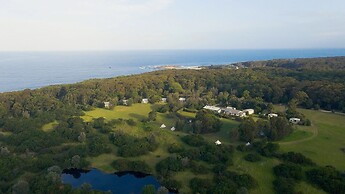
point(50, 126)
point(261, 171)
point(308, 189)
point(297, 135)
point(321, 142)
point(103, 162)
point(187, 114)
point(324, 147)
point(136, 112)
point(224, 134)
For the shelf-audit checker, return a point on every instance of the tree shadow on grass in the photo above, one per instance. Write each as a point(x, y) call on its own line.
point(137, 116)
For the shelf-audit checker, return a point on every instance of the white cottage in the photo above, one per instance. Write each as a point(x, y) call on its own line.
point(294, 120)
point(182, 99)
point(163, 126)
point(106, 104)
point(172, 129)
point(272, 115)
point(145, 101)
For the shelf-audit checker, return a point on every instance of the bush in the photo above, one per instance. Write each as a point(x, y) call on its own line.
point(244, 148)
point(252, 157)
point(127, 165)
point(198, 168)
point(172, 184)
point(194, 140)
point(328, 178)
point(169, 165)
point(297, 158)
point(175, 148)
point(269, 149)
point(131, 122)
point(288, 170)
point(284, 185)
point(199, 185)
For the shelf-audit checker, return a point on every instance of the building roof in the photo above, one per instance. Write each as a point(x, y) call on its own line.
point(231, 110)
point(248, 110)
point(213, 108)
point(163, 126)
point(172, 129)
point(272, 115)
point(218, 142)
point(294, 119)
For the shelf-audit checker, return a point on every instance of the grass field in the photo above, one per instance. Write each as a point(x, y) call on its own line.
point(261, 171)
point(301, 133)
point(321, 142)
point(136, 112)
point(325, 147)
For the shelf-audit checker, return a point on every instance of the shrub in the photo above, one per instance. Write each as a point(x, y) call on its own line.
point(297, 158)
point(328, 178)
point(198, 168)
point(252, 157)
point(194, 140)
point(127, 165)
point(288, 170)
point(284, 185)
point(175, 148)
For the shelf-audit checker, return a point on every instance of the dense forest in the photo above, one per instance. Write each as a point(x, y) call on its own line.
point(31, 159)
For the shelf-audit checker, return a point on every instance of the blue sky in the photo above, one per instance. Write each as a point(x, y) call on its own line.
point(170, 24)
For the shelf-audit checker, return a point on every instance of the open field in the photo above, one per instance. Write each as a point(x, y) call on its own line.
point(136, 112)
point(302, 133)
point(325, 146)
point(324, 138)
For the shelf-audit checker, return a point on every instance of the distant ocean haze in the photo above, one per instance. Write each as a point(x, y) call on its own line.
point(22, 70)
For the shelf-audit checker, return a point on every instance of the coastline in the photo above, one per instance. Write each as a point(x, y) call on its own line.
point(33, 70)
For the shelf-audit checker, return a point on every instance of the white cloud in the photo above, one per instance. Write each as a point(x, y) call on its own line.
point(61, 8)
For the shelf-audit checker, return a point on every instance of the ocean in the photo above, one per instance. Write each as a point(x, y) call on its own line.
point(30, 70)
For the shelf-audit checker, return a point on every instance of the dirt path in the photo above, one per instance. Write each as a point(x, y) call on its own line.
point(315, 134)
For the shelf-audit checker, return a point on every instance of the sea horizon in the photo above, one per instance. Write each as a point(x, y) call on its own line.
point(35, 69)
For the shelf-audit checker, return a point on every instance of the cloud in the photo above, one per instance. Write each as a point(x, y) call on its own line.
point(62, 8)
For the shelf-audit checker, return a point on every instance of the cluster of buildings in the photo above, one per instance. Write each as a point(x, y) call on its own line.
point(146, 100)
point(143, 101)
point(231, 111)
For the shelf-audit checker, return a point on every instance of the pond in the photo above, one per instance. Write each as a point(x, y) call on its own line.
point(122, 182)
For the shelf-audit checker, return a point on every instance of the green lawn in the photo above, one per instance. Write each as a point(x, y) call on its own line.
point(321, 142)
point(298, 134)
point(324, 147)
point(136, 112)
point(261, 171)
point(224, 134)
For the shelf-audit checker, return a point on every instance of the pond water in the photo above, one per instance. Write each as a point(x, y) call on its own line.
point(123, 182)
